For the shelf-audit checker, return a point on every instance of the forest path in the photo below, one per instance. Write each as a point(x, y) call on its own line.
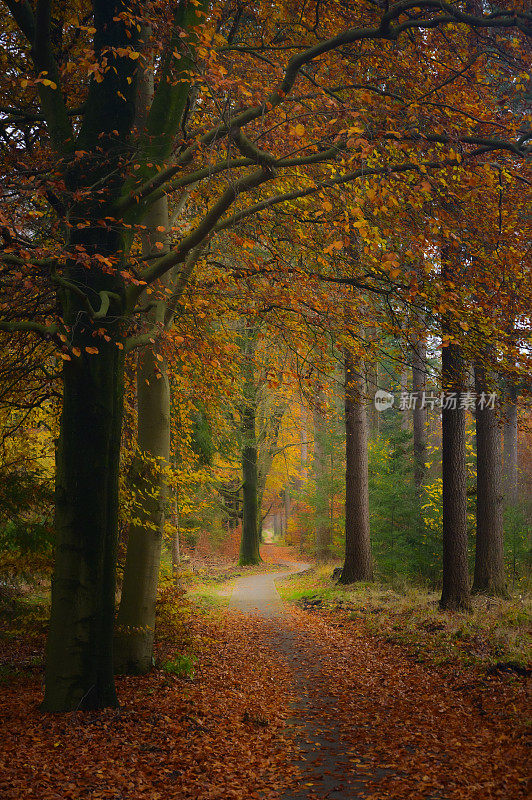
point(373, 720)
point(326, 762)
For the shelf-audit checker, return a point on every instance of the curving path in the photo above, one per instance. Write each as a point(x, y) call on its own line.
point(325, 756)
point(257, 594)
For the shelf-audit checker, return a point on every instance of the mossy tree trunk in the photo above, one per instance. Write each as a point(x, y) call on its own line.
point(249, 543)
point(136, 616)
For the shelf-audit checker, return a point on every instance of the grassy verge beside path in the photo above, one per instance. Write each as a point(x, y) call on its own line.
point(496, 636)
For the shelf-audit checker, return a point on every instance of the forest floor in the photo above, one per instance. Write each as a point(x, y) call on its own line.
point(309, 702)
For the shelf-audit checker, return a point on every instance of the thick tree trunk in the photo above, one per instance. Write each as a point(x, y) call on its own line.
point(249, 544)
point(358, 561)
point(489, 575)
point(419, 414)
point(79, 650)
point(455, 588)
point(510, 445)
point(136, 617)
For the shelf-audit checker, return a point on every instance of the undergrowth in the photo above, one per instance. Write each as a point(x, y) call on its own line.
point(498, 631)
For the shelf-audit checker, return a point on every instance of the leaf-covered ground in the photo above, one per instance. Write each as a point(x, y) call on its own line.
point(220, 734)
point(410, 730)
point(311, 705)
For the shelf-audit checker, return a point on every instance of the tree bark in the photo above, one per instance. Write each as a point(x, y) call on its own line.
point(358, 561)
point(455, 589)
point(249, 544)
point(489, 575)
point(136, 616)
point(320, 470)
point(419, 414)
point(79, 650)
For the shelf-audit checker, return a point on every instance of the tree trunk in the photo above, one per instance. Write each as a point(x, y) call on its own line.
point(136, 616)
point(79, 650)
point(323, 530)
point(419, 414)
point(358, 561)
point(249, 544)
point(510, 445)
point(455, 589)
point(489, 575)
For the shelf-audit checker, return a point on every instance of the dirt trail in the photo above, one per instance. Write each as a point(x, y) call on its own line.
point(370, 722)
point(324, 765)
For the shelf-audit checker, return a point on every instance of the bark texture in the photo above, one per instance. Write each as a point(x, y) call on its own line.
point(455, 582)
point(489, 577)
point(79, 650)
point(250, 541)
point(136, 616)
point(358, 561)
point(320, 474)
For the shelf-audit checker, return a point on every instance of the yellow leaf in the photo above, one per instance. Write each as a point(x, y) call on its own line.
point(300, 130)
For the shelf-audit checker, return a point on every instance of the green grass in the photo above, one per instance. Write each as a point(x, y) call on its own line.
point(498, 630)
point(211, 588)
point(182, 666)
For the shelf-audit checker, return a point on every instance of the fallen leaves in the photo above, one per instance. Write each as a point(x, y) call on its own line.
point(219, 736)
